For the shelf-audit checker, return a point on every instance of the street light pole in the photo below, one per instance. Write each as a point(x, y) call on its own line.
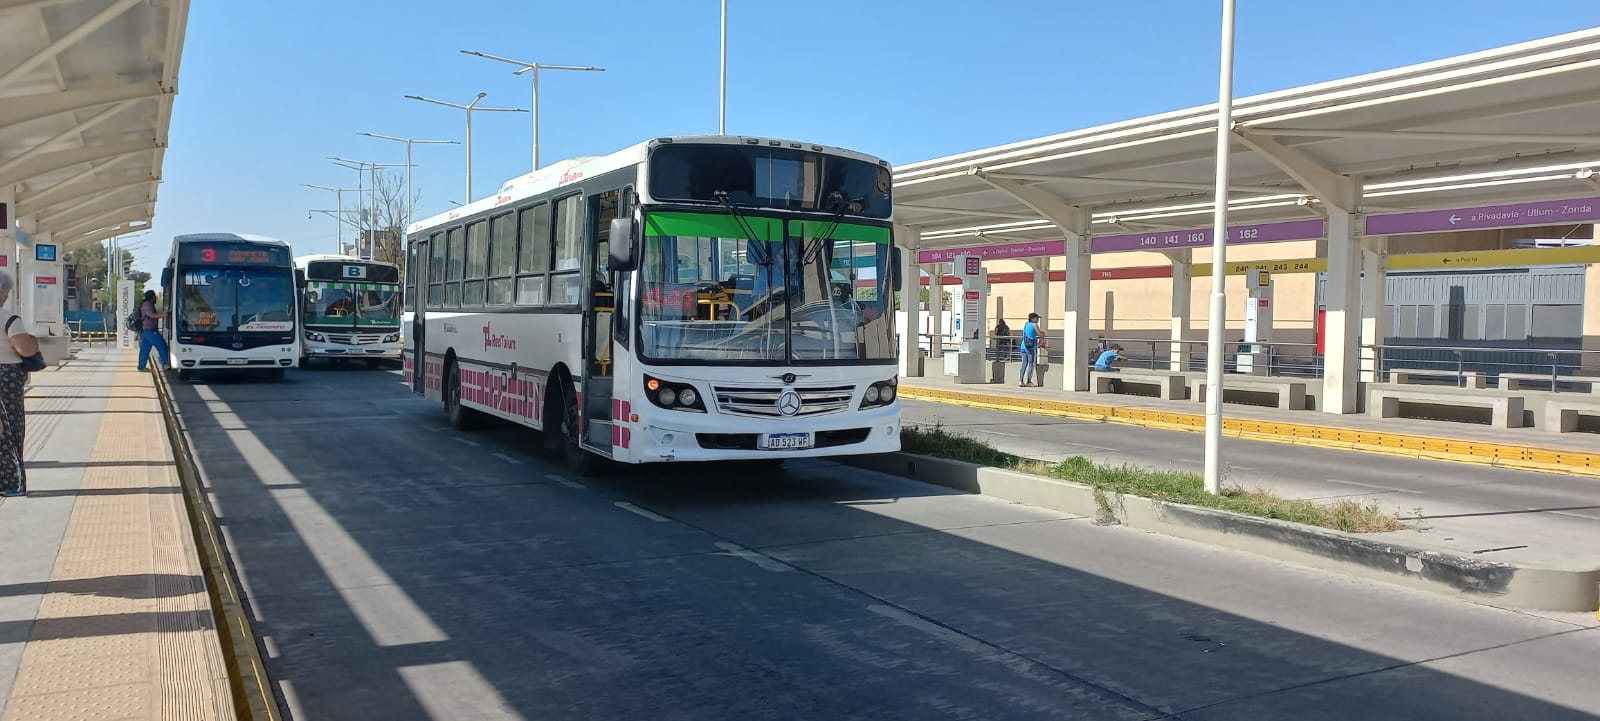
point(533, 68)
point(338, 229)
point(722, 90)
point(469, 108)
point(410, 198)
point(1215, 337)
point(362, 166)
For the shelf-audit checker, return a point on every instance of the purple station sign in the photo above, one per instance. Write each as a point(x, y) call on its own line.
point(1031, 249)
point(1310, 229)
point(1538, 212)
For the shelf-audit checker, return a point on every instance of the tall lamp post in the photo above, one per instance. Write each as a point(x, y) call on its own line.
point(410, 198)
point(1218, 317)
point(722, 90)
point(533, 69)
point(362, 166)
point(469, 108)
point(338, 193)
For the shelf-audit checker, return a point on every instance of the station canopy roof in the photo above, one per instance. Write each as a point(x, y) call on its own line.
point(86, 94)
point(1512, 124)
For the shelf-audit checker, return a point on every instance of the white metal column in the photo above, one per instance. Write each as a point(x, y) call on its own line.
point(1342, 323)
point(1374, 315)
point(908, 239)
point(936, 311)
point(1075, 320)
point(1182, 284)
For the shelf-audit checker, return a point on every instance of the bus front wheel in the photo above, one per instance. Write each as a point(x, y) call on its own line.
point(461, 417)
point(567, 422)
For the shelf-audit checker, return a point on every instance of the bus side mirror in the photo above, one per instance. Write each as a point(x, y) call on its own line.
point(622, 243)
point(299, 278)
point(166, 277)
point(895, 281)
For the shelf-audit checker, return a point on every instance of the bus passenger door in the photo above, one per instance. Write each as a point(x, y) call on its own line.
point(417, 291)
point(599, 304)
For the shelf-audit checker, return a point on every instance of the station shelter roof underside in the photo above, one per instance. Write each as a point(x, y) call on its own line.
point(1505, 127)
point(86, 96)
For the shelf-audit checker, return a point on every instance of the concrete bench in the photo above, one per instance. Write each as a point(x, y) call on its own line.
point(1291, 393)
point(1561, 415)
point(1169, 386)
point(1475, 379)
point(1505, 411)
point(1519, 381)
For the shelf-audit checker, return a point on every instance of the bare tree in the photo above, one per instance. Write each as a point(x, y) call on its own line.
point(380, 226)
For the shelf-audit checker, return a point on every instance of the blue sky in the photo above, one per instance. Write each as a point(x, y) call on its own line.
point(269, 90)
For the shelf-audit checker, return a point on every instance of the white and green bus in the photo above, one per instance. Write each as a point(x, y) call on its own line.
point(349, 309)
point(686, 299)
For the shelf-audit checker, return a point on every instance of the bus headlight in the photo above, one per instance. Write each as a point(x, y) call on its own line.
point(392, 338)
point(673, 396)
point(879, 394)
point(315, 336)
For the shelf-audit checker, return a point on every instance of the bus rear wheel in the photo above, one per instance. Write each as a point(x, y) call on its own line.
point(461, 417)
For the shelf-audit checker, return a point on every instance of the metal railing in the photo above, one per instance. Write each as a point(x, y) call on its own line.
point(1559, 367)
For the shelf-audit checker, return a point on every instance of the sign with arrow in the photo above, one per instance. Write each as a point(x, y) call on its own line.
point(1489, 217)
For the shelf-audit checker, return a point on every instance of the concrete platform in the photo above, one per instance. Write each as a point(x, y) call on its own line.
point(1520, 448)
point(104, 611)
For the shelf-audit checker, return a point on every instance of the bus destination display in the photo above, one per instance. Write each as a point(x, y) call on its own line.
point(237, 255)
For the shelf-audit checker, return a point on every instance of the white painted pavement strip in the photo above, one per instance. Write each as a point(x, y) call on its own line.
point(1373, 486)
point(760, 559)
point(459, 439)
point(508, 459)
point(629, 507)
point(565, 482)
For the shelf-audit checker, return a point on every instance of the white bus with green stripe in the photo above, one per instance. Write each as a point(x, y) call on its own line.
point(686, 299)
point(349, 309)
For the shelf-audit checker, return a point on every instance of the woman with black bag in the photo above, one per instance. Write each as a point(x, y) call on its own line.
point(18, 358)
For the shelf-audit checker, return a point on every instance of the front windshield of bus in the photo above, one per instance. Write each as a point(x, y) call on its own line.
point(235, 300)
point(801, 291)
point(352, 305)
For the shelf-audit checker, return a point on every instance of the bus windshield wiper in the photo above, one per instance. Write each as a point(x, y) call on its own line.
point(759, 252)
point(840, 207)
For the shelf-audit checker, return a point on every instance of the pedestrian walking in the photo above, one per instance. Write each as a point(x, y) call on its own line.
point(150, 336)
point(17, 358)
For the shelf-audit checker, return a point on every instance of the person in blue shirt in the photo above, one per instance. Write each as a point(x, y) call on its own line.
point(1030, 349)
point(1107, 357)
point(1103, 364)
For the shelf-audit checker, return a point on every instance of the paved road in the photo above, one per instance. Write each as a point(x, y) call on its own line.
point(400, 570)
point(1553, 515)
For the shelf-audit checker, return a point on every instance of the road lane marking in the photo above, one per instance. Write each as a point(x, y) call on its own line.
point(508, 459)
point(1373, 486)
point(760, 559)
point(1577, 515)
point(997, 433)
point(629, 507)
point(469, 442)
point(565, 482)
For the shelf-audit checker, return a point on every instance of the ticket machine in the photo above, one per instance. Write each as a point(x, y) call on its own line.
point(968, 364)
point(1253, 353)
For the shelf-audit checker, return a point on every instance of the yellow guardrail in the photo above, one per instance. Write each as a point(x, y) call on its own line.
point(253, 699)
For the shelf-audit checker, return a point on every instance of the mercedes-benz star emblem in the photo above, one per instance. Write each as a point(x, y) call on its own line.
point(789, 403)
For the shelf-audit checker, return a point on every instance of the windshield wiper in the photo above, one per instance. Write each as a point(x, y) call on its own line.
point(759, 252)
point(840, 206)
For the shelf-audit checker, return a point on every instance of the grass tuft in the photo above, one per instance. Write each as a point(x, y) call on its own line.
point(1167, 486)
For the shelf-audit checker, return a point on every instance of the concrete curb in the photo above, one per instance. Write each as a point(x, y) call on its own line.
point(250, 687)
point(1500, 455)
point(1494, 583)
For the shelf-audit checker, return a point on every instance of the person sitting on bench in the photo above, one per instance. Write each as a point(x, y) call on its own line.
point(1104, 364)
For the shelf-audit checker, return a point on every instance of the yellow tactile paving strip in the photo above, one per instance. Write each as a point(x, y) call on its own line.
point(125, 630)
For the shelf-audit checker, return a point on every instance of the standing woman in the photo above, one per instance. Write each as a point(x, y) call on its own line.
point(18, 357)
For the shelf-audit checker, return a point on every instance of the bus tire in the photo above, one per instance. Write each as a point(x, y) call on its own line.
point(276, 374)
point(374, 363)
point(186, 376)
point(565, 422)
point(461, 417)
